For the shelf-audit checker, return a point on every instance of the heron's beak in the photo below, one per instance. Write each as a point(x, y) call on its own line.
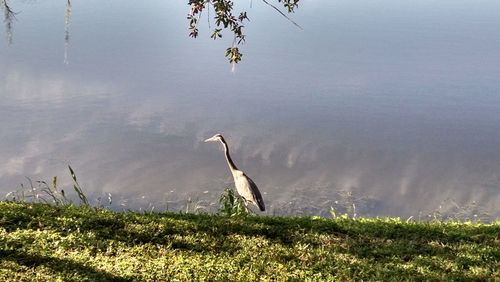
point(211, 139)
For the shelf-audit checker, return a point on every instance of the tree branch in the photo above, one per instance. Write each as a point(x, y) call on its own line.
point(283, 14)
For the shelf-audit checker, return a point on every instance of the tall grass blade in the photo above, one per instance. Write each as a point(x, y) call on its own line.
point(78, 188)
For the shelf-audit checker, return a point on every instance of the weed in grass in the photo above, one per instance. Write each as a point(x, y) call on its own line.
point(78, 188)
point(232, 204)
point(42, 192)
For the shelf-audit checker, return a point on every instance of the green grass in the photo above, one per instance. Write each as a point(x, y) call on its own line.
point(67, 243)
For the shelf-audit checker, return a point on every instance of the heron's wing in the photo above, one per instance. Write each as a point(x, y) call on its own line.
point(256, 194)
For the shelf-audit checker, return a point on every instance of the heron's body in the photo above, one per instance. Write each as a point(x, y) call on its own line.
point(245, 187)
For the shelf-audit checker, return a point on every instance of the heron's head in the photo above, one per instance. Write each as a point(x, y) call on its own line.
point(215, 138)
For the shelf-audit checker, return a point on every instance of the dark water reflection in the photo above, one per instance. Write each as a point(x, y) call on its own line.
point(8, 17)
point(392, 107)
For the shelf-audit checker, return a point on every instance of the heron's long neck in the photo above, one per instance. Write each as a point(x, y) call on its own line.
point(232, 167)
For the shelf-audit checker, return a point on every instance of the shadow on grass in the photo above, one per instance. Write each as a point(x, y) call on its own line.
point(405, 256)
point(156, 227)
point(66, 267)
point(375, 242)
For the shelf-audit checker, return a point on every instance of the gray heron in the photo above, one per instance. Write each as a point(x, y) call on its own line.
point(244, 185)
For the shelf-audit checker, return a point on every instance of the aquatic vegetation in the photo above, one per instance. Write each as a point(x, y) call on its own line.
point(42, 192)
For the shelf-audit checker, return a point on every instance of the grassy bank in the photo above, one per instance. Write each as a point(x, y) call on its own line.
point(44, 242)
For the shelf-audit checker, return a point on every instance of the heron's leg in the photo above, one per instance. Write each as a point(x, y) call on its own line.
point(244, 200)
point(246, 205)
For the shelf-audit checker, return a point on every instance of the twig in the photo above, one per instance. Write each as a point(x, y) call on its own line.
point(283, 14)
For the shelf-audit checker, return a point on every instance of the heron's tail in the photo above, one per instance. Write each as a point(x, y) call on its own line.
point(260, 204)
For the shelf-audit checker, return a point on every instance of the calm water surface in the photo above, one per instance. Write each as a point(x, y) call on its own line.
point(389, 105)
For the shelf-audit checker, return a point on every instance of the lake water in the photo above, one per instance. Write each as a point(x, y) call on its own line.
point(392, 106)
